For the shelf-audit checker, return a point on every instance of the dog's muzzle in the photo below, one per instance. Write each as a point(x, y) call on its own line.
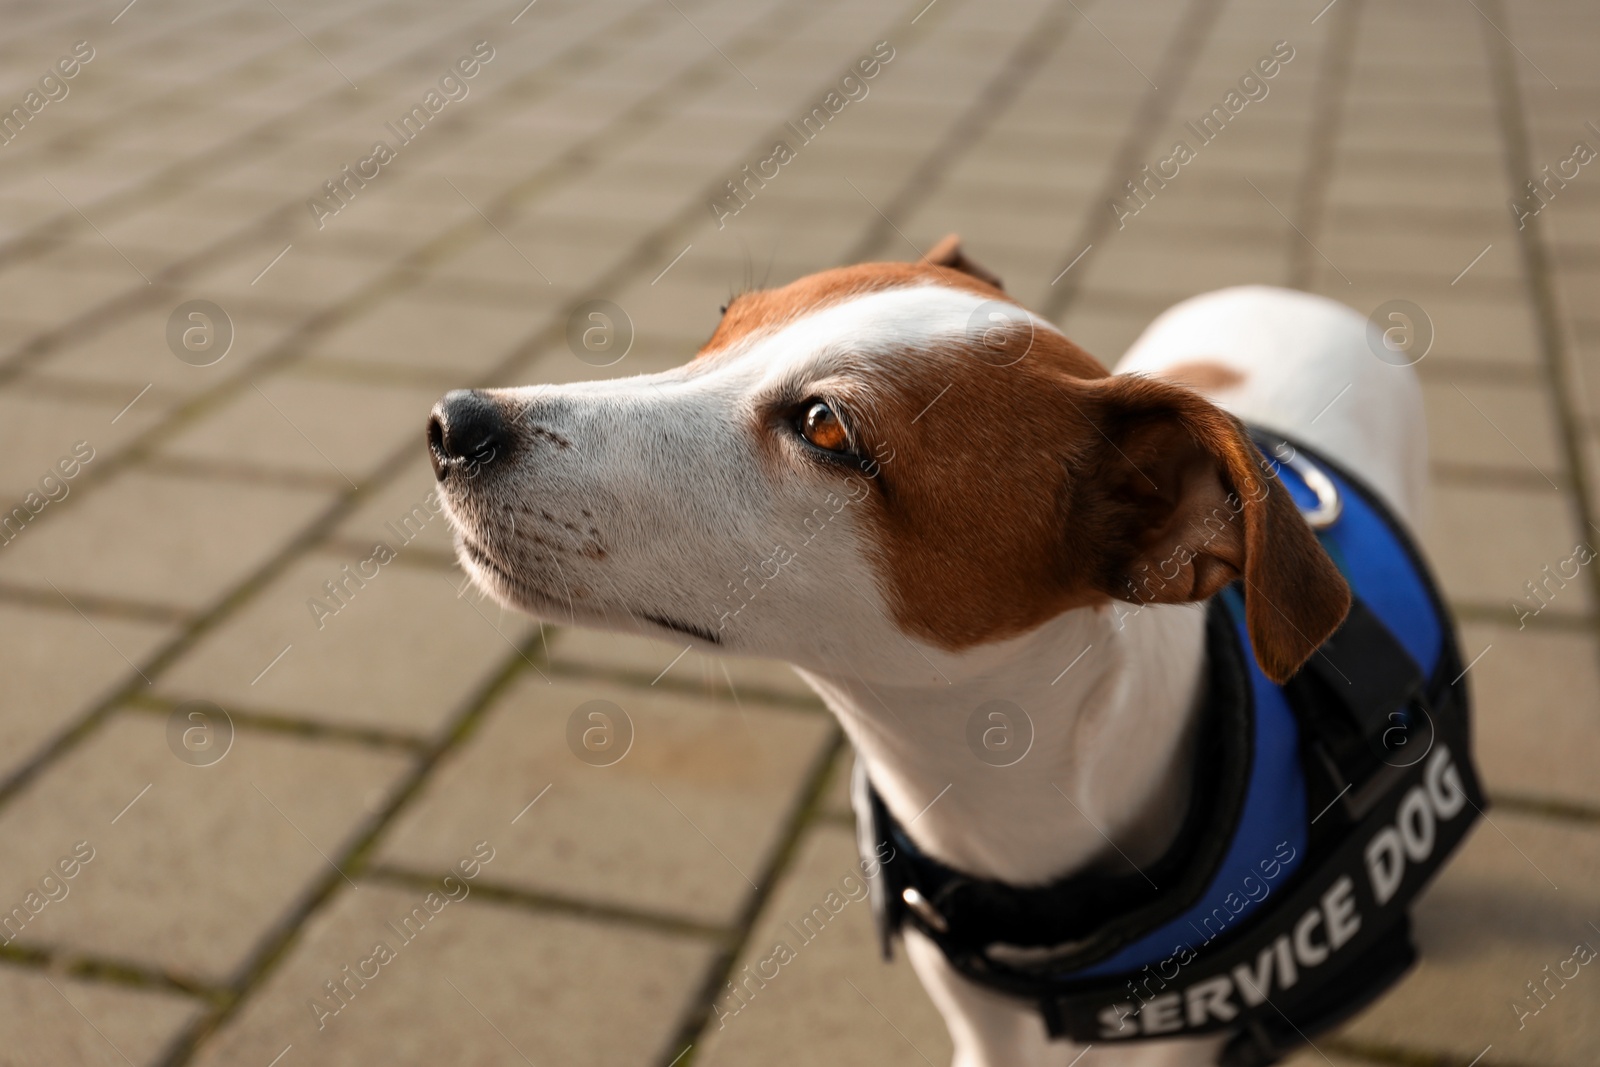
point(466, 431)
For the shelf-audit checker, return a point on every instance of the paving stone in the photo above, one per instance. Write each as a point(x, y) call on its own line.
point(1535, 738)
point(42, 431)
point(483, 983)
point(1425, 222)
point(539, 273)
point(732, 267)
point(418, 331)
point(1588, 447)
point(57, 664)
point(85, 1024)
point(1569, 226)
point(680, 310)
point(57, 292)
point(195, 871)
point(20, 212)
point(1378, 248)
point(557, 365)
point(1373, 126)
point(1491, 923)
point(836, 792)
point(1481, 329)
point(535, 224)
point(1585, 358)
point(1212, 196)
point(211, 535)
point(404, 510)
point(396, 650)
point(1433, 83)
point(1032, 183)
point(835, 1000)
point(17, 331)
point(624, 197)
point(1321, 1056)
point(306, 275)
point(1485, 543)
point(1146, 260)
point(563, 264)
point(418, 208)
point(1082, 144)
point(1502, 426)
point(1415, 188)
point(683, 824)
point(316, 425)
point(1388, 185)
point(133, 352)
point(172, 231)
point(980, 221)
point(814, 232)
point(1105, 332)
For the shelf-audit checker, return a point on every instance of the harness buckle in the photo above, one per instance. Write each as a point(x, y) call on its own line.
point(1329, 505)
point(924, 909)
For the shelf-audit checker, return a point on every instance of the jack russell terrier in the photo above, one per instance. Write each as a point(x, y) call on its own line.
point(1156, 710)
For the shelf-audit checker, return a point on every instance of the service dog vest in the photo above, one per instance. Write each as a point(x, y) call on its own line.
point(1321, 809)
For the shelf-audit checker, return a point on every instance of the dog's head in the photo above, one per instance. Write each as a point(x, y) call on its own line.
point(866, 456)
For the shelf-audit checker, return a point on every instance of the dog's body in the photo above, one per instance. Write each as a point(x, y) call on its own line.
point(975, 543)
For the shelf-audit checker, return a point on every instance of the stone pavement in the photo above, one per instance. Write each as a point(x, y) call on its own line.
point(229, 872)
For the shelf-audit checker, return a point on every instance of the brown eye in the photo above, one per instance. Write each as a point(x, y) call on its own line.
point(822, 427)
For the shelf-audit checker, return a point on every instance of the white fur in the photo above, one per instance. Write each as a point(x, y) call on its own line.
point(1311, 373)
point(682, 500)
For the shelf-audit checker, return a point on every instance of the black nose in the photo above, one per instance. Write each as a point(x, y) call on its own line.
point(466, 430)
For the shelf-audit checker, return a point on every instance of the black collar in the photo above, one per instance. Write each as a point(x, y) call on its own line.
point(1088, 916)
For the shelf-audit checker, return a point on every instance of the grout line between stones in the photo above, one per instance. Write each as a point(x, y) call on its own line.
point(998, 94)
point(555, 903)
point(111, 971)
point(318, 529)
point(283, 934)
point(1551, 808)
point(1516, 142)
point(1037, 43)
point(802, 818)
point(290, 723)
point(1398, 1056)
point(1327, 112)
point(270, 224)
point(174, 178)
point(281, 937)
point(1176, 64)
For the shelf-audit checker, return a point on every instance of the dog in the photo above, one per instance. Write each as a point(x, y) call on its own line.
point(926, 498)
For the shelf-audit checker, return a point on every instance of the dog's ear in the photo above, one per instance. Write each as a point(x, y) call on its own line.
point(1182, 504)
point(948, 253)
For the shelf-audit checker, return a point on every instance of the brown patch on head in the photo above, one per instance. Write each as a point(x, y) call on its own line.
point(1205, 375)
point(969, 515)
point(1030, 489)
point(1015, 479)
point(766, 310)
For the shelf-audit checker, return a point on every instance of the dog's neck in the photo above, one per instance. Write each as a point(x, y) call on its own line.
point(1106, 781)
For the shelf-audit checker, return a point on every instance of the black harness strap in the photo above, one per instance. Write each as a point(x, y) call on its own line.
point(1089, 916)
point(1387, 765)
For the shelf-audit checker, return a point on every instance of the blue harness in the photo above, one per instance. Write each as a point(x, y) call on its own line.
point(1321, 808)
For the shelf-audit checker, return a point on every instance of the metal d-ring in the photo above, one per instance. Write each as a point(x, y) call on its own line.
point(1329, 505)
point(924, 909)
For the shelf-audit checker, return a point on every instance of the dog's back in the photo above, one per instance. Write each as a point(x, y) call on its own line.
point(1304, 366)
